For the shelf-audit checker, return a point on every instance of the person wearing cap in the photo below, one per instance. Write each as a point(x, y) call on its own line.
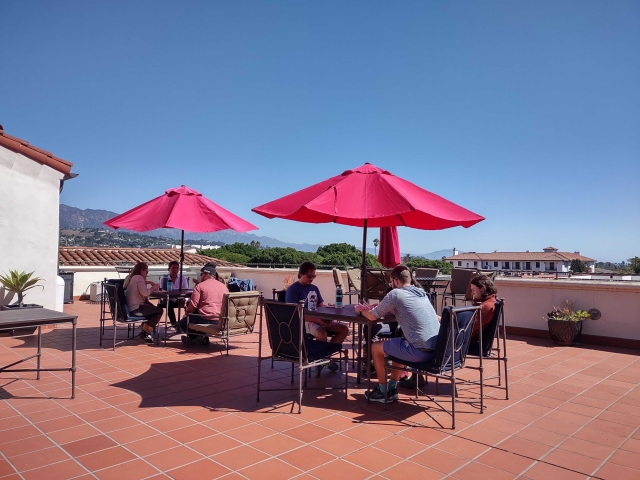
point(206, 299)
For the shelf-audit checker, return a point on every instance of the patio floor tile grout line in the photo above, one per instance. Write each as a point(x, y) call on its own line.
point(55, 443)
point(612, 454)
point(590, 419)
point(511, 435)
point(6, 459)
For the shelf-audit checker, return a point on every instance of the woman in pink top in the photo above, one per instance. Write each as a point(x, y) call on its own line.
point(137, 290)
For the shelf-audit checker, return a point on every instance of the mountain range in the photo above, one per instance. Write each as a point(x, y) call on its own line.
point(72, 218)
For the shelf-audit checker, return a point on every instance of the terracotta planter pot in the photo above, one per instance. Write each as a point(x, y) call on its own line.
point(564, 332)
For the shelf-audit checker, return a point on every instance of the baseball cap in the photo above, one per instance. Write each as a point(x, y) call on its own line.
point(209, 268)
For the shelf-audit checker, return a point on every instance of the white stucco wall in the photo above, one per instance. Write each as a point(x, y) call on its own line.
point(29, 210)
point(527, 302)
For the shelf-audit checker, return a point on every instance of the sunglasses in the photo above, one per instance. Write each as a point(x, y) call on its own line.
point(311, 277)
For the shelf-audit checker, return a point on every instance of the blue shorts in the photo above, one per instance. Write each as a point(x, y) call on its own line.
point(403, 350)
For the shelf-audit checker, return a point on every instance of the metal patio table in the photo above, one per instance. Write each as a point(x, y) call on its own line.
point(40, 317)
point(348, 314)
point(441, 282)
point(173, 295)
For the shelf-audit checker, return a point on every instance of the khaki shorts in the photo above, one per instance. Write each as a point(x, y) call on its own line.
point(311, 328)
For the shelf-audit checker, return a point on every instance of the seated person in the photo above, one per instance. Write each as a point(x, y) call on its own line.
point(206, 299)
point(484, 294)
point(174, 276)
point(314, 326)
point(417, 318)
point(137, 290)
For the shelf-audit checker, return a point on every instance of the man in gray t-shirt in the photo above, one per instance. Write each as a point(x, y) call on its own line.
point(417, 318)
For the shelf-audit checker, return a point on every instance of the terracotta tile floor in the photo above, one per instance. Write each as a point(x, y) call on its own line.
point(151, 412)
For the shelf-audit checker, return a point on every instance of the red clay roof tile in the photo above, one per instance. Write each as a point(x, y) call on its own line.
point(34, 153)
point(95, 256)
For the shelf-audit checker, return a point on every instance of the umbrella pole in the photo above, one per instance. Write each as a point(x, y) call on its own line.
point(363, 267)
point(181, 260)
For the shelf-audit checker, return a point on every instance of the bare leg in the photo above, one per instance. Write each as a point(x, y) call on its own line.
point(341, 329)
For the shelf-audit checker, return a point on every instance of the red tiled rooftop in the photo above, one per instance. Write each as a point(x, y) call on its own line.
point(153, 412)
point(23, 147)
point(96, 256)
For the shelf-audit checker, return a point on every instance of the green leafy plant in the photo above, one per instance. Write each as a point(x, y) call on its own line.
point(19, 282)
point(566, 313)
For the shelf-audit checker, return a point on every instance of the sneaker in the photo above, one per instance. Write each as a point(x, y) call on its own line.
point(146, 337)
point(333, 367)
point(393, 394)
point(377, 395)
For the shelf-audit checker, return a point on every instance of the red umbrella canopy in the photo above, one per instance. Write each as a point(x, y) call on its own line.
point(182, 208)
point(370, 196)
point(389, 255)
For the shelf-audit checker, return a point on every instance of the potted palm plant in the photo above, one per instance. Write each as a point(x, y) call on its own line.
point(565, 323)
point(20, 282)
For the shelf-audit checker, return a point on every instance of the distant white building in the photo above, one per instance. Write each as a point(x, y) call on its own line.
point(550, 260)
point(188, 248)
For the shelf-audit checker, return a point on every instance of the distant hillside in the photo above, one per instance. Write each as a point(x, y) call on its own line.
point(72, 218)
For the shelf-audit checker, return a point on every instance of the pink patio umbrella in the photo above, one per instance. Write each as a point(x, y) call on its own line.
point(182, 208)
point(369, 196)
point(389, 254)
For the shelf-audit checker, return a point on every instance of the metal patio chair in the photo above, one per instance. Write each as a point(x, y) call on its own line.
point(490, 338)
point(116, 301)
point(460, 286)
point(449, 355)
point(285, 331)
point(237, 317)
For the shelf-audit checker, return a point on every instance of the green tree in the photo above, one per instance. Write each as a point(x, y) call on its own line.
point(343, 254)
point(419, 262)
point(578, 266)
point(376, 242)
point(634, 265)
point(223, 254)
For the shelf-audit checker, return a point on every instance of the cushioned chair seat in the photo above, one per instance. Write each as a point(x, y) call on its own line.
point(212, 329)
point(425, 366)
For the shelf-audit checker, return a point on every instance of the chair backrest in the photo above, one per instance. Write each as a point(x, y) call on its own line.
point(284, 328)
point(489, 273)
point(426, 273)
point(224, 277)
point(118, 308)
point(451, 354)
point(461, 281)
point(353, 276)
point(241, 309)
point(376, 284)
point(337, 278)
point(490, 332)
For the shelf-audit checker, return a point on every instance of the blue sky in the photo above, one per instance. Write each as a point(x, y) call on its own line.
point(524, 112)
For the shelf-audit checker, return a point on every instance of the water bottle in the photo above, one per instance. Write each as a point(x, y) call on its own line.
point(338, 296)
point(169, 285)
point(312, 300)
